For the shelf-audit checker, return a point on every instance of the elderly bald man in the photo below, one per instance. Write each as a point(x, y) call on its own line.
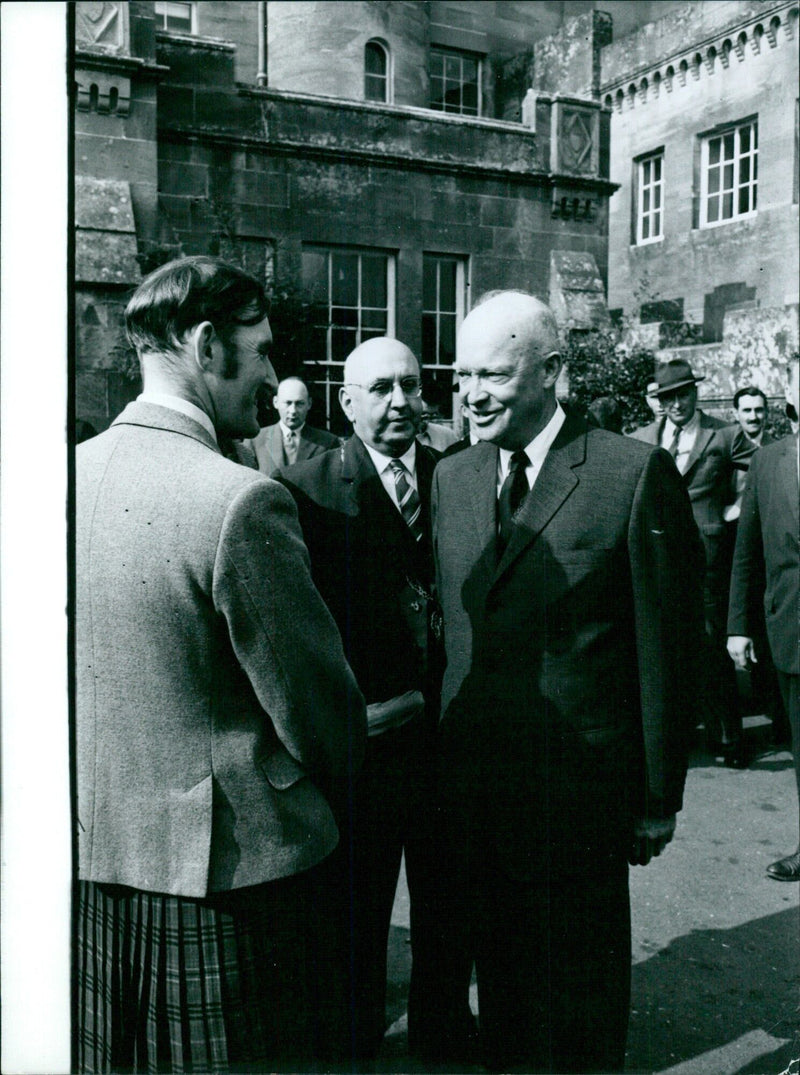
point(568, 567)
point(364, 511)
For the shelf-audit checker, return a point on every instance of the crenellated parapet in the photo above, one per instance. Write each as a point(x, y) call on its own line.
point(763, 27)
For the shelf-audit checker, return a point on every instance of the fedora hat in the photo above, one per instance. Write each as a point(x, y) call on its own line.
point(674, 374)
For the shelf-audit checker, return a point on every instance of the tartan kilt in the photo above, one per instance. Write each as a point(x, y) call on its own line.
point(238, 982)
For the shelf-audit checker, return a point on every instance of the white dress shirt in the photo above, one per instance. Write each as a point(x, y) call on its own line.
point(687, 437)
point(177, 403)
point(535, 451)
point(383, 466)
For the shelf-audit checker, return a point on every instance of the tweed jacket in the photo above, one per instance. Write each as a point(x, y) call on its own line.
point(366, 563)
point(212, 690)
point(766, 560)
point(569, 682)
point(720, 450)
point(268, 446)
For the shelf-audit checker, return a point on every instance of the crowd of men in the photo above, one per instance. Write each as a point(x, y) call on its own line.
point(293, 672)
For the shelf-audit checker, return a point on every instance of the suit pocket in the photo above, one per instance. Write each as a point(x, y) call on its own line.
point(281, 770)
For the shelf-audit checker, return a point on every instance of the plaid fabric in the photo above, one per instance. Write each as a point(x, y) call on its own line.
point(167, 983)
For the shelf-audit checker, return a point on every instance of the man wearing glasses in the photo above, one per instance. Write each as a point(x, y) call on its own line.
point(364, 511)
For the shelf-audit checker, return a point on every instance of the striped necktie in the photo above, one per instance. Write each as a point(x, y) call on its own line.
point(290, 446)
point(407, 498)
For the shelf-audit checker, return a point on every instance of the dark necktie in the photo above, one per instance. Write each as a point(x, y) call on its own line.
point(407, 498)
point(512, 493)
point(673, 444)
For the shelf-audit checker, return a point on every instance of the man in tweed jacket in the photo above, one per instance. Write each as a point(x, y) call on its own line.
point(213, 700)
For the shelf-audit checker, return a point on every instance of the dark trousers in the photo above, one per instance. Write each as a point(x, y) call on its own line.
point(388, 814)
point(790, 690)
point(723, 717)
point(551, 944)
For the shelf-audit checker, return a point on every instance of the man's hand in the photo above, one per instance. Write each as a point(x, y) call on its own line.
point(741, 652)
point(650, 837)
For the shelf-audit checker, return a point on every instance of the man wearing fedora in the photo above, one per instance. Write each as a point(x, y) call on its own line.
point(707, 452)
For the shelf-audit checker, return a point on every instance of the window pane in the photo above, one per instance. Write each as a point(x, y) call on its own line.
point(437, 93)
point(452, 68)
point(470, 99)
point(428, 339)
point(374, 319)
point(657, 168)
point(744, 199)
point(344, 316)
point(713, 151)
point(315, 274)
point(318, 342)
point(727, 205)
point(447, 286)
point(646, 227)
point(713, 210)
point(728, 143)
point(447, 339)
point(373, 281)
point(646, 201)
point(713, 181)
point(657, 198)
point(374, 59)
point(727, 183)
point(656, 224)
point(744, 170)
point(343, 341)
point(345, 279)
point(374, 88)
point(744, 139)
point(755, 135)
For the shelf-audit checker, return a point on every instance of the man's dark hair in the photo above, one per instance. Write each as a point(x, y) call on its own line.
point(748, 391)
point(186, 292)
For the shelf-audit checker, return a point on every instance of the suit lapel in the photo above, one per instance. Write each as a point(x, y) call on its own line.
point(483, 494)
point(787, 477)
point(704, 435)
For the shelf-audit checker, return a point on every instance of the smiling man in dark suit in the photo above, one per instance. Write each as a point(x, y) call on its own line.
point(290, 439)
point(766, 570)
point(213, 702)
point(709, 453)
point(568, 569)
point(364, 510)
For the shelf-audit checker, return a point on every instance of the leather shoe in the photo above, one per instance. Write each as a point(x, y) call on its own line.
point(787, 869)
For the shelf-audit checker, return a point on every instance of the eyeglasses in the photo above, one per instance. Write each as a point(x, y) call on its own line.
point(383, 389)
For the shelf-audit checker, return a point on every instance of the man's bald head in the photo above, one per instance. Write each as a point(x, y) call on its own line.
point(292, 402)
point(381, 394)
point(507, 361)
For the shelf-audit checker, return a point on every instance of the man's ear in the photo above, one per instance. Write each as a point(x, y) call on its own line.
point(552, 368)
point(346, 403)
point(202, 339)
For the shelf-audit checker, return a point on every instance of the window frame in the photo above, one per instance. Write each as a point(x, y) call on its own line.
point(735, 162)
point(641, 189)
point(319, 370)
point(387, 77)
point(462, 265)
point(460, 55)
point(162, 26)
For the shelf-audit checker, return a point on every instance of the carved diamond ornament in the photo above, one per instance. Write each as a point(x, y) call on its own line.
point(99, 23)
point(576, 141)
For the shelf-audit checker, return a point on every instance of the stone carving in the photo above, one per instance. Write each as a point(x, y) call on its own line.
point(100, 23)
point(105, 94)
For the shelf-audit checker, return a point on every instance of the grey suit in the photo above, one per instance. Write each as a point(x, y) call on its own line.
point(270, 452)
point(211, 684)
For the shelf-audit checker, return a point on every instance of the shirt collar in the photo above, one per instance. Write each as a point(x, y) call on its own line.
point(381, 462)
point(541, 443)
point(177, 403)
point(286, 431)
point(690, 427)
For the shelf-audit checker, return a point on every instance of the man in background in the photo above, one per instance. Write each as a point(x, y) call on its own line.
point(766, 573)
point(707, 452)
point(213, 702)
point(290, 439)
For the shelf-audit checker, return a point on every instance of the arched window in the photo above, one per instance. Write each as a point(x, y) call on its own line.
point(376, 72)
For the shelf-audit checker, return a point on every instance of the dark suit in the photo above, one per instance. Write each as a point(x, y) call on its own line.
point(766, 564)
point(565, 703)
point(369, 569)
point(271, 454)
point(720, 451)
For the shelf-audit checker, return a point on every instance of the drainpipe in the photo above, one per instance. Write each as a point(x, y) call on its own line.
point(261, 77)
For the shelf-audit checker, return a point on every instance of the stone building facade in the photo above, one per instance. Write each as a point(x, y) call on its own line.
point(703, 230)
point(377, 163)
